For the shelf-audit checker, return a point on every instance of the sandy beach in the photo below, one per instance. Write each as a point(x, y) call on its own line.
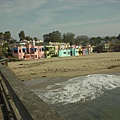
point(67, 67)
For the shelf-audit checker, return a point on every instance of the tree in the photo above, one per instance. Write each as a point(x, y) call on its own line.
point(28, 38)
point(1, 36)
point(46, 38)
point(1, 53)
point(107, 39)
point(5, 49)
point(6, 45)
point(7, 36)
point(21, 35)
point(12, 41)
point(83, 40)
point(55, 36)
point(98, 48)
point(118, 37)
point(95, 40)
point(69, 38)
point(92, 41)
point(35, 38)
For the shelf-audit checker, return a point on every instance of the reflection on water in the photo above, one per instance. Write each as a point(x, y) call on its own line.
point(92, 97)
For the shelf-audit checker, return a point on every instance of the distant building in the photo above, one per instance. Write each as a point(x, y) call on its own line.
point(27, 52)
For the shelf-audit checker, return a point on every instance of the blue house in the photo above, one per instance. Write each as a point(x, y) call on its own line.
point(74, 52)
point(64, 53)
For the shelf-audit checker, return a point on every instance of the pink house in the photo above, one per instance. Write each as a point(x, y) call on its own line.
point(85, 51)
point(28, 52)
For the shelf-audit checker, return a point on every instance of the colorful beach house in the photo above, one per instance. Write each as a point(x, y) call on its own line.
point(27, 52)
point(49, 51)
point(84, 51)
point(90, 49)
point(64, 53)
point(74, 51)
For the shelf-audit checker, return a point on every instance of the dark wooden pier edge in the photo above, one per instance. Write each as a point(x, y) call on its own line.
point(20, 101)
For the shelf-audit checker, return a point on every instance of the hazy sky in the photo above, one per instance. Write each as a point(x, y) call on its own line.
point(81, 17)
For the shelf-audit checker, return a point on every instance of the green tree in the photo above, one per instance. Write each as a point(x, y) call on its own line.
point(28, 38)
point(83, 40)
point(21, 35)
point(1, 53)
point(6, 45)
point(12, 41)
point(113, 38)
point(92, 41)
point(108, 39)
point(5, 48)
point(1, 36)
point(7, 36)
point(69, 38)
point(95, 40)
point(55, 36)
point(118, 37)
point(35, 38)
point(98, 48)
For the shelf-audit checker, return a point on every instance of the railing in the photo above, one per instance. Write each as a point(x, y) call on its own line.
point(20, 102)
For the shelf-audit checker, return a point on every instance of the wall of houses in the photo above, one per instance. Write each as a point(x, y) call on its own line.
point(28, 51)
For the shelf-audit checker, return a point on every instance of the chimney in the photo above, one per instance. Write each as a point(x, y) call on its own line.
point(33, 42)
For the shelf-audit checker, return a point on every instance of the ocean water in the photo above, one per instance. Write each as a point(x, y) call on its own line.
point(91, 97)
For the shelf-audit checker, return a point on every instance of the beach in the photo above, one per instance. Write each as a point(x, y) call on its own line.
point(83, 87)
point(67, 66)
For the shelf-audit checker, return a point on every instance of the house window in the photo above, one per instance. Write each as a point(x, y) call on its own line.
point(43, 49)
point(32, 51)
point(64, 53)
point(15, 51)
point(27, 51)
point(20, 51)
point(24, 50)
point(35, 56)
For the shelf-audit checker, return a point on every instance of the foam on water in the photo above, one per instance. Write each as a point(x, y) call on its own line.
point(79, 89)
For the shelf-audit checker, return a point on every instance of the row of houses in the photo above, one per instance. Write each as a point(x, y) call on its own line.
point(30, 51)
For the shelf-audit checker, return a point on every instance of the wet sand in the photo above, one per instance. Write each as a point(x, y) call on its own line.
point(57, 69)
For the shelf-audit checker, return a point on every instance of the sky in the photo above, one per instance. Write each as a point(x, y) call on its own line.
point(81, 17)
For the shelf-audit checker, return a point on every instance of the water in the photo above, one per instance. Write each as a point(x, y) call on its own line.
point(92, 97)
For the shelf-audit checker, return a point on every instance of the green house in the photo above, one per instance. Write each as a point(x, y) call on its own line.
point(64, 53)
point(74, 51)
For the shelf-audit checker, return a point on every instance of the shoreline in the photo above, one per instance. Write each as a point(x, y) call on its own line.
point(66, 68)
point(41, 83)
